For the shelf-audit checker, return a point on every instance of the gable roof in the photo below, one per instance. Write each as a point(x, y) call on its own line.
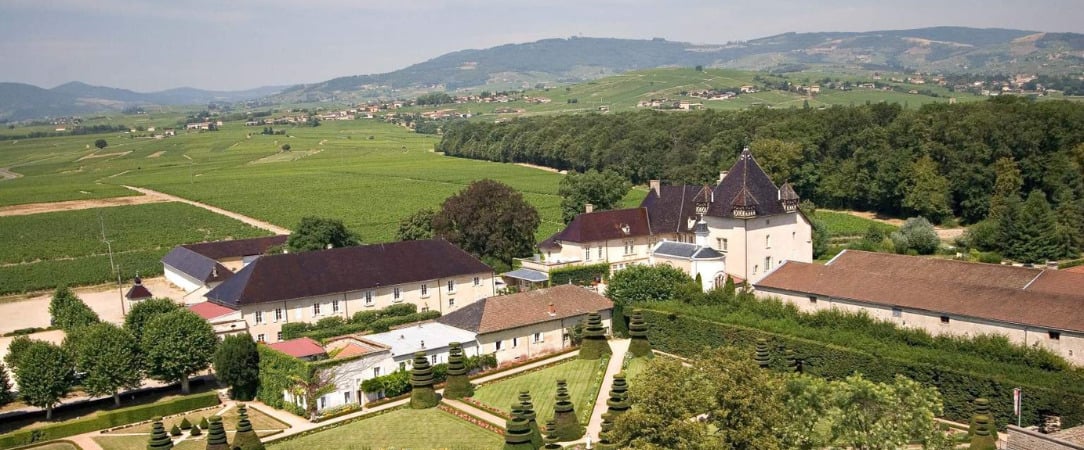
point(746, 185)
point(605, 225)
point(237, 248)
point(208, 310)
point(299, 348)
point(935, 269)
point(422, 337)
point(929, 291)
point(670, 209)
point(339, 270)
point(526, 308)
point(196, 265)
point(685, 250)
point(1058, 282)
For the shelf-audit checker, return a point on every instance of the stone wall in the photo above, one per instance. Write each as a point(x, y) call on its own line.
point(1022, 439)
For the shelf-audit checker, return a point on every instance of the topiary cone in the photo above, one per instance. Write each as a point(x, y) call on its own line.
point(551, 439)
point(983, 439)
point(518, 435)
point(527, 411)
point(159, 438)
point(457, 384)
point(216, 435)
point(762, 357)
point(639, 346)
point(246, 438)
point(594, 344)
point(564, 415)
point(422, 395)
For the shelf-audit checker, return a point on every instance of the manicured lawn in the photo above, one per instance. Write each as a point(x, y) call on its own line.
point(260, 421)
point(635, 366)
point(59, 445)
point(583, 380)
point(401, 429)
point(139, 441)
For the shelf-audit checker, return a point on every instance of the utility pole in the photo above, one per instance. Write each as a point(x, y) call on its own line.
point(112, 266)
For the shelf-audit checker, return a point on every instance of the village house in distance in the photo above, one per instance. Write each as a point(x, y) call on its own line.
point(743, 227)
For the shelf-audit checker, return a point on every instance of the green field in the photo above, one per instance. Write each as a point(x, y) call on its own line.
point(843, 225)
point(44, 250)
point(400, 429)
point(584, 378)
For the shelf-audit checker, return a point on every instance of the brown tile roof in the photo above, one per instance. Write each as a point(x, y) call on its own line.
point(526, 308)
point(208, 310)
point(1075, 269)
point(299, 348)
point(605, 225)
point(339, 270)
point(237, 248)
point(669, 211)
point(349, 346)
point(997, 303)
point(1059, 282)
point(935, 269)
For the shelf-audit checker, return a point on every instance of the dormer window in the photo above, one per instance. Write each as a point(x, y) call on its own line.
point(625, 228)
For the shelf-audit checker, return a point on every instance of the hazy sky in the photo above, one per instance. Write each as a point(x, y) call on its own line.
point(149, 45)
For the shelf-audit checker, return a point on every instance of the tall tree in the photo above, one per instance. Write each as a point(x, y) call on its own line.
point(68, 311)
point(6, 395)
point(1034, 232)
point(44, 374)
point(176, 345)
point(781, 160)
point(109, 355)
point(603, 189)
point(317, 233)
point(418, 226)
point(143, 312)
point(16, 349)
point(315, 384)
point(1006, 185)
point(490, 220)
point(237, 364)
point(926, 192)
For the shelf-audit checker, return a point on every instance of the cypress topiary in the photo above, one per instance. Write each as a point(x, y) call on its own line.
point(792, 361)
point(983, 439)
point(617, 404)
point(594, 344)
point(527, 411)
point(246, 438)
point(639, 346)
point(457, 385)
point(175, 431)
point(216, 435)
point(982, 408)
point(159, 438)
point(564, 415)
point(762, 357)
point(185, 424)
point(518, 435)
point(551, 439)
point(203, 423)
point(422, 395)
point(195, 431)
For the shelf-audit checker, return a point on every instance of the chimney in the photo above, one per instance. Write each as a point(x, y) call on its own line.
point(588, 208)
point(722, 174)
point(553, 310)
point(423, 344)
point(654, 185)
point(214, 271)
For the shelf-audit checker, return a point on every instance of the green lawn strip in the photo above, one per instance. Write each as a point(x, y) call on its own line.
point(582, 379)
point(55, 445)
point(260, 421)
point(139, 441)
point(634, 367)
point(400, 429)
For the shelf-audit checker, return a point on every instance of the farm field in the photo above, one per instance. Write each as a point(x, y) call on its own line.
point(401, 429)
point(843, 225)
point(584, 378)
point(44, 250)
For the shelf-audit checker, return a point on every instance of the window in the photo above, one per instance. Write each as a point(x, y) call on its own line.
point(515, 342)
point(334, 306)
point(451, 285)
point(278, 337)
point(722, 244)
point(395, 295)
point(477, 281)
point(767, 263)
point(346, 397)
point(402, 365)
point(376, 370)
point(451, 302)
point(587, 254)
point(435, 358)
point(755, 269)
point(259, 316)
point(896, 312)
point(793, 235)
point(315, 309)
point(1055, 335)
point(768, 241)
point(537, 338)
point(944, 319)
point(259, 338)
point(278, 314)
point(368, 298)
point(497, 345)
point(323, 402)
point(599, 255)
point(628, 247)
point(812, 299)
point(425, 290)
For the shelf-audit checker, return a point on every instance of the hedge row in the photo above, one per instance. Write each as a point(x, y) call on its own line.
point(339, 327)
point(687, 336)
point(108, 420)
point(581, 275)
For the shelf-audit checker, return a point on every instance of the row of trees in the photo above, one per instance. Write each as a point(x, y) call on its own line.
point(937, 161)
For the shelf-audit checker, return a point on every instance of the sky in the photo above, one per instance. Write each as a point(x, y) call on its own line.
point(149, 45)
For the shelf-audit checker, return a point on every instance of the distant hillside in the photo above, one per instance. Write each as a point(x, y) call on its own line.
point(20, 101)
point(939, 49)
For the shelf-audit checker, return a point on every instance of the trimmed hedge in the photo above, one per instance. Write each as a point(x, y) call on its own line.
point(687, 336)
point(582, 275)
point(377, 320)
point(109, 419)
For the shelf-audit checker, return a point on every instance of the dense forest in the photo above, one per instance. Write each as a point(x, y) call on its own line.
point(940, 161)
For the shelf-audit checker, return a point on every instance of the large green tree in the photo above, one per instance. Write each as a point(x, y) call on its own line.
point(489, 219)
point(176, 345)
point(68, 311)
point(603, 189)
point(237, 364)
point(926, 191)
point(640, 283)
point(780, 159)
point(6, 394)
point(917, 235)
point(417, 226)
point(143, 312)
point(318, 233)
point(109, 355)
point(1032, 233)
point(44, 374)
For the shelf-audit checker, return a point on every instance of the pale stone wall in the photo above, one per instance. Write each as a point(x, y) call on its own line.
point(1068, 345)
point(754, 247)
point(181, 279)
point(520, 343)
point(611, 251)
point(1022, 439)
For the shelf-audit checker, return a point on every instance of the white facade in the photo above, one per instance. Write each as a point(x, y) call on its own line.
point(754, 247)
point(181, 279)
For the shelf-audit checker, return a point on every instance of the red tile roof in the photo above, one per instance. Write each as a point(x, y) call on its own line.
point(299, 348)
point(605, 225)
point(1074, 269)
point(526, 308)
point(1059, 282)
point(208, 310)
point(935, 269)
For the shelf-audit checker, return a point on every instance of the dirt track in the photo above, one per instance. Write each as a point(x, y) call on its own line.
point(37, 208)
point(246, 219)
point(7, 174)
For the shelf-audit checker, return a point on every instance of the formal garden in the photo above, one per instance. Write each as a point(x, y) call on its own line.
point(400, 428)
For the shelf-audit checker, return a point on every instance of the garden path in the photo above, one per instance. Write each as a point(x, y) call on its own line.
point(594, 426)
point(475, 412)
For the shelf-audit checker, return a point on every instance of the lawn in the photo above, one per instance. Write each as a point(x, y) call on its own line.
point(139, 441)
point(401, 429)
point(634, 367)
point(58, 445)
point(44, 250)
point(584, 378)
point(841, 224)
point(260, 421)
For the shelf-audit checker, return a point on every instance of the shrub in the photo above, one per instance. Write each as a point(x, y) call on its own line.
point(185, 424)
point(422, 395)
point(195, 431)
point(330, 322)
point(365, 317)
point(583, 275)
point(294, 330)
point(918, 235)
point(990, 257)
point(402, 309)
point(175, 431)
point(594, 345)
point(203, 423)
